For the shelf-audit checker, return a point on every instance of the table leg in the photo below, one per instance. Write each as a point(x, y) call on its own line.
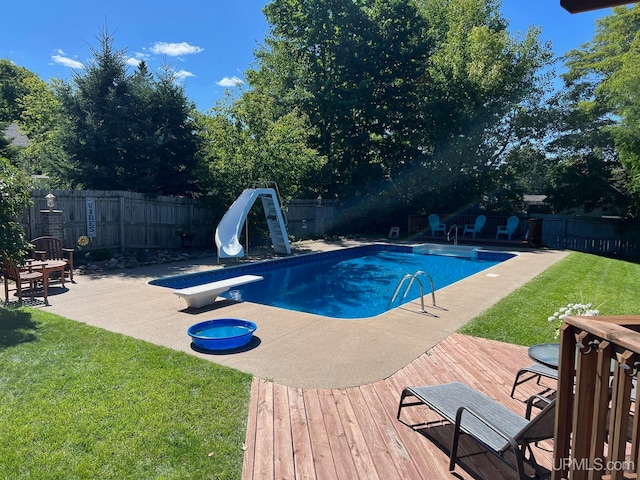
point(45, 283)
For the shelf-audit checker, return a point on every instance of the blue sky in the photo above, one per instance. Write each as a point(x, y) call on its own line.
point(208, 43)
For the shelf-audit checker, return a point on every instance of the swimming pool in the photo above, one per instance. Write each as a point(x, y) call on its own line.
point(350, 283)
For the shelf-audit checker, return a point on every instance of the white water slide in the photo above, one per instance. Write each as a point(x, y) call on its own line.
point(229, 228)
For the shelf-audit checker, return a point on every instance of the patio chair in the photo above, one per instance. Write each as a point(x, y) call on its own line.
point(50, 248)
point(535, 371)
point(475, 228)
point(21, 277)
point(489, 423)
point(510, 228)
point(436, 226)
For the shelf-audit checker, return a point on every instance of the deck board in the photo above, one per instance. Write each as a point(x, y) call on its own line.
point(301, 454)
point(282, 441)
point(353, 433)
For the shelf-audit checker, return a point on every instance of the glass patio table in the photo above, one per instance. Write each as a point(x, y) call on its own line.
point(547, 354)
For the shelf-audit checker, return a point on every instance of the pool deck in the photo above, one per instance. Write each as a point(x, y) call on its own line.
point(293, 348)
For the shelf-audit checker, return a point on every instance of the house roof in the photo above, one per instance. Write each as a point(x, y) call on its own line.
point(18, 139)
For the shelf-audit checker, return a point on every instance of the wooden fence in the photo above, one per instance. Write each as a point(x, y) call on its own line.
point(122, 220)
point(599, 235)
point(126, 220)
point(605, 236)
point(311, 218)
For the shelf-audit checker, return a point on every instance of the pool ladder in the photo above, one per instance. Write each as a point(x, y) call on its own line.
point(415, 277)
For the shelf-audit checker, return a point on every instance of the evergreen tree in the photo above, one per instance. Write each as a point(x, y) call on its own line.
point(129, 131)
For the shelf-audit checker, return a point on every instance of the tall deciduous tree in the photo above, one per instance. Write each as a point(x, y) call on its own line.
point(14, 198)
point(597, 116)
point(12, 89)
point(412, 102)
point(246, 142)
point(43, 122)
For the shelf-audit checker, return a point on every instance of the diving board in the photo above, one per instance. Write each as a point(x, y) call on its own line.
point(201, 295)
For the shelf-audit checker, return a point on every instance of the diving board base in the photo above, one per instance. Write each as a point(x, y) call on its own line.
point(200, 296)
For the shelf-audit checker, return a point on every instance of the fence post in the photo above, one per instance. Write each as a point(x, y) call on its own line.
point(32, 221)
point(319, 217)
point(122, 232)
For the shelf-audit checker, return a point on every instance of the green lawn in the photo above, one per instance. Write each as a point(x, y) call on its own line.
point(522, 317)
point(80, 402)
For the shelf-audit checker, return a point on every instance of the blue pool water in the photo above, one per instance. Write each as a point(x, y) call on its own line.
point(350, 283)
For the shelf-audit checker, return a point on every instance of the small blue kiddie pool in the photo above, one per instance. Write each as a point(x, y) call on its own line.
point(221, 334)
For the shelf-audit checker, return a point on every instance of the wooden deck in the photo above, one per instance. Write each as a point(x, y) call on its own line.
point(353, 433)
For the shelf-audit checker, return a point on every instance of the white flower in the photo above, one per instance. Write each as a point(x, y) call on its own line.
point(576, 309)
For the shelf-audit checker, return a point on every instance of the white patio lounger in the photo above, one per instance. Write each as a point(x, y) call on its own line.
point(206, 294)
point(488, 422)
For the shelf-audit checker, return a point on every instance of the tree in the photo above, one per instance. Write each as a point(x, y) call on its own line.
point(129, 131)
point(12, 89)
point(43, 122)
point(14, 198)
point(413, 103)
point(582, 185)
point(247, 142)
point(606, 69)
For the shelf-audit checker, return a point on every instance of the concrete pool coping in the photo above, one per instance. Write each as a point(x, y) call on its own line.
point(293, 348)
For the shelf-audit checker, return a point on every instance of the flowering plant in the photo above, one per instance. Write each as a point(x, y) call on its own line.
point(83, 241)
point(577, 309)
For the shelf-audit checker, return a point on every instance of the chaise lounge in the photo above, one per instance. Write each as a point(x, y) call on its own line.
point(491, 424)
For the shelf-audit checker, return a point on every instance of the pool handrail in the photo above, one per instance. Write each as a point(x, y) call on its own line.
point(411, 279)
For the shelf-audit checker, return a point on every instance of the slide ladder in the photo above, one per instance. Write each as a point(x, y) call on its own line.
point(275, 222)
point(230, 227)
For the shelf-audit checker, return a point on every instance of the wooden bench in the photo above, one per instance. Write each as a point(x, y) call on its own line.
point(206, 294)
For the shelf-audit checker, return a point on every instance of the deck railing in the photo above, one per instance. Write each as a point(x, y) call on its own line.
point(597, 432)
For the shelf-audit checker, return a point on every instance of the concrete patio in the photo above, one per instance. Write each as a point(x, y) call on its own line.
point(292, 348)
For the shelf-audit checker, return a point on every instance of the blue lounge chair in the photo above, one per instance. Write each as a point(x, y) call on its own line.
point(436, 226)
point(476, 227)
point(510, 228)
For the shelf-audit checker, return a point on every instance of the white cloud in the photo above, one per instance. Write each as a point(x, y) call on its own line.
point(175, 49)
point(230, 82)
point(61, 59)
point(137, 58)
point(180, 74)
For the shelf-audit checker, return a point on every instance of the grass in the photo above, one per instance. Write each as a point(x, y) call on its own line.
point(521, 318)
point(80, 402)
